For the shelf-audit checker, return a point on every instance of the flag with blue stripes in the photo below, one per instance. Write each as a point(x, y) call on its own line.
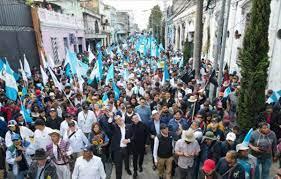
point(227, 92)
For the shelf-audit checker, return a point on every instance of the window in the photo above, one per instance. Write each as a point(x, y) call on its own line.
point(65, 43)
point(279, 34)
point(55, 49)
point(96, 27)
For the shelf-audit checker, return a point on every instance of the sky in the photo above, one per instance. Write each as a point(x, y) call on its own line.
point(139, 8)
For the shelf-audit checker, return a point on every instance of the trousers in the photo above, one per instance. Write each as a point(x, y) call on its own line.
point(118, 157)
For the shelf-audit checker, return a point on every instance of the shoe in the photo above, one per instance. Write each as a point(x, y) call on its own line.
point(140, 169)
point(154, 167)
point(161, 177)
point(129, 172)
point(135, 174)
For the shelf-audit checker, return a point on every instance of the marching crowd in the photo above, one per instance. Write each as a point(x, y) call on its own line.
point(80, 134)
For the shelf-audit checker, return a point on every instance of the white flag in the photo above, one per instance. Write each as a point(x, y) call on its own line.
point(51, 62)
point(24, 77)
point(26, 67)
point(43, 60)
point(55, 80)
point(91, 55)
point(44, 75)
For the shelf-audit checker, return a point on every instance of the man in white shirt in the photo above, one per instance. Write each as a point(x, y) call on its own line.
point(85, 119)
point(64, 125)
point(88, 166)
point(41, 135)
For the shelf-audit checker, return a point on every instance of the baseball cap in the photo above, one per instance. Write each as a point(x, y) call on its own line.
point(52, 109)
point(209, 165)
point(241, 147)
point(12, 123)
point(163, 126)
point(231, 136)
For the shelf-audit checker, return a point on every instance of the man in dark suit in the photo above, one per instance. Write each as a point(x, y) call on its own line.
point(120, 140)
point(139, 140)
point(154, 130)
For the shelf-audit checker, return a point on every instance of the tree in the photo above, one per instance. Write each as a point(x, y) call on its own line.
point(155, 22)
point(187, 51)
point(253, 60)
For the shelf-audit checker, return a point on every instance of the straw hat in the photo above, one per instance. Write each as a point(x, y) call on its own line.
point(188, 136)
point(192, 99)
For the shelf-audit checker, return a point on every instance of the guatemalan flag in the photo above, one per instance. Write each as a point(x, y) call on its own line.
point(11, 88)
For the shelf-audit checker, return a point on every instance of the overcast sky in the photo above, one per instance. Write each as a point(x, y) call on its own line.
point(140, 9)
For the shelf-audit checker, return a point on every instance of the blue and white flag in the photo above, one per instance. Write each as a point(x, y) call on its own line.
point(110, 74)
point(116, 91)
point(247, 138)
point(83, 68)
point(44, 63)
point(227, 92)
point(105, 99)
point(71, 58)
point(50, 62)
point(274, 97)
point(166, 75)
point(26, 115)
point(100, 66)
point(26, 67)
point(11, 88)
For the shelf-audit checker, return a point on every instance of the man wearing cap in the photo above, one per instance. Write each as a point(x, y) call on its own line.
point(19, 156)
point(228, 144)
point(53, 121)
point(64, 125)
point(248, 161)
point(41, 167)
point(209, 170)
point(163, 152)
point(88, 166)
point(187, 148)
point(59, 151)
point(41, 134)
point(119, 141)
point(210, 147)
point(85, 119)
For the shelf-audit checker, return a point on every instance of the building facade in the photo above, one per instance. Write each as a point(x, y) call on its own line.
point(181, 27)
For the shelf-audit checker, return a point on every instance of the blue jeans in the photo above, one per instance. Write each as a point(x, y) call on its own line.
point(265, 168)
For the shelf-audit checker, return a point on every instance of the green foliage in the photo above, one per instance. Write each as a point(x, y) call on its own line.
point(155, 21)
point(187, 51)
point(253, 60)
point(29, 2)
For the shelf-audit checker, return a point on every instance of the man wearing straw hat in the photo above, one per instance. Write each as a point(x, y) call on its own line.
point(59, 151)
point(187, 148)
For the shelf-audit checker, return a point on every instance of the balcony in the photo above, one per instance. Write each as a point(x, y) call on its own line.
point(55, 19)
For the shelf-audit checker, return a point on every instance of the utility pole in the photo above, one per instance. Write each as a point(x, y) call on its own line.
point(198, 37)
point(218, 47)
point(225, 25)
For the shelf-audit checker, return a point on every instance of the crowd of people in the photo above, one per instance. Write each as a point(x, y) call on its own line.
point(81, 132)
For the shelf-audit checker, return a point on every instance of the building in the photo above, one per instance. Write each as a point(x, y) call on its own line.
point(122, 25)
point(59, 29)
point(17, 35)
point(181, 27)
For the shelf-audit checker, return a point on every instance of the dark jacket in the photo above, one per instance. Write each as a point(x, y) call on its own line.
point(151, 128)
point(210, 152)
point(103, 121)
point(225, 147)
point(235, 172)
point(54, 123)
point(49, 171)
point(139, 136)
point(116, 135)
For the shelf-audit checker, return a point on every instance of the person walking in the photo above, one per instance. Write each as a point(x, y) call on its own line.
point(248, 161)
point(85, 119)
point(163, 152)
point(263, 144)
point(41, 167)
point(54, 121)
point(187, 148)
point(59, 151)
point(88, 166)
point(41, 134)
point(139, 139)
point(19, 156)
point(119, 143)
